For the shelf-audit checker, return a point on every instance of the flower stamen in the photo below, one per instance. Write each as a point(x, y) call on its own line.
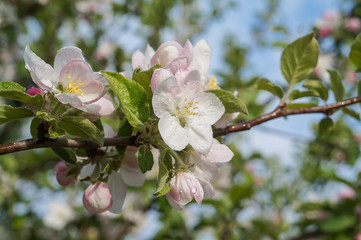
point(74, 88)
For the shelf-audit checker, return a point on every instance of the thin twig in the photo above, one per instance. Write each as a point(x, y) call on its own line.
point(34, 143)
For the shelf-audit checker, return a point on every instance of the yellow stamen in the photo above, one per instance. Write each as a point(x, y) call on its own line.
point(74, 88)
point(213, 84)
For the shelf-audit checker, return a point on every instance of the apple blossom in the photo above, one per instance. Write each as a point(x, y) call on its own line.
point(97, 198)
point(186, 113)
point(184, 188)
point(71, 80)
point(62, 174)
point(143, 60)
point(353, 24)
point(34, 91)
point(128, 174)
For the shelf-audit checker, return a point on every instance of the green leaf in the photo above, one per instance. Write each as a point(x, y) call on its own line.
point(165, 164)
point(132, 97)
point(351, 113)
point(355, 53)
point(267, 85)
point(125, 129)
point(300, 105)
point(144, 78)
point(66, 155)
point(359, 88)
point(17, 92)
point(81, 127)
point(296, 94)
point(8, 113)
point(336, 84)
point(56, 132)
point(231, 103)
point(317, 86)
point(145, 158)
point(299, 59)
point(338, 223)
point(239, 192)
point(34, 126)
point(325, 125)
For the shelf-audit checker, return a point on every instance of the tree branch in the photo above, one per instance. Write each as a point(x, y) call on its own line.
point(34, 143)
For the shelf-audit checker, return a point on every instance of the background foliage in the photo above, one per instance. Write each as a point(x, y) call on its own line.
point(257, 197)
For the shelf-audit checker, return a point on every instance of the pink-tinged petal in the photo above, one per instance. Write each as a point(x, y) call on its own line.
point(188, 51)
point(97, 198)
point(68, 98)
point(42, 73)
point(226, 119)
point(166, 53)
point(178, 64)
point(159, 76)
point(77, 78)
point(172, 202)
point(173, 134)
point(118, 190)
point(61, 170)
point(34, 91)
point(200, 135)
point(99, 77)
point(165, 98)
point(138, 60)
point(129, 168)
point(219, 153)
point(192, 84)
point(195, 187)
point(104, 106)
point(210, 107)
point(204, 169)
point(208, 189)
point(201, 57)
point(66, 55)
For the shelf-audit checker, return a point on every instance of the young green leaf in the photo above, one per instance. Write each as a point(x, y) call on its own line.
point(34, 126)
point(325, 125)
point(165, 164)
point(144, 78)
point(66, 155)
point(8, 113)
point(145, 159)
point(351, 113)
point(295, 94)
point(17, 92)
point(359, 88)
point(81, 127)
point(231, 103)
point(267, 85)
point(56, 132)
point(317, 86)
point(299, 59)
point(355, 53)
point(336, 84)
point(132, 96)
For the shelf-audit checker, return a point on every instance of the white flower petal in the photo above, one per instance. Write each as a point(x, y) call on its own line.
point(165, 98)
point(210, 107)
point(42, 73)
point(129, 169)
point(201, 57)
point(173, 134)
point(166, 53)
point(118, 189)
point(219, 153)
point(65, 55)
point(86, 170)
point(200, 135)
point(159, 76)
point(192, 84)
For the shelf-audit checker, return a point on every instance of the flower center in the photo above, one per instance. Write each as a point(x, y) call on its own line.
point(213, 84)
point(74, 88)
point(187, 109)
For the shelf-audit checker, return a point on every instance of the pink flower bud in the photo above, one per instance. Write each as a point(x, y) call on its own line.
point(346, 193)
point(97, 198)
point(34, 91)
point(324, 32)
point(353, 24)
point(186, 187)
point(358, 237)
point(62, 176)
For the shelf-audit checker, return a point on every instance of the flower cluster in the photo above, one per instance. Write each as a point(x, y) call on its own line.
point(184, 104)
